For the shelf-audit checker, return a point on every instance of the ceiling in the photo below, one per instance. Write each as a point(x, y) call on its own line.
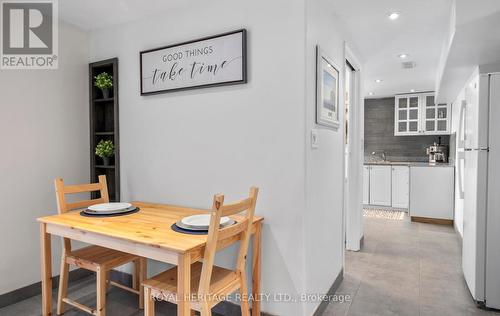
point(419, 32)
point(95, 14)
point(475, 40)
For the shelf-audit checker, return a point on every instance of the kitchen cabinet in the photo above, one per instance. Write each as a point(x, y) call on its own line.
point(380, 185)
point(436, 117)
point(407, 115)
point(432, 192)
point(400, 186)
point(417, 114)
point(366, 184)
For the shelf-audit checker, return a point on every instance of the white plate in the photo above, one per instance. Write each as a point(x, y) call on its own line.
point(202, 221)
point(109, 207)
point(202, 228)
point(127, 210)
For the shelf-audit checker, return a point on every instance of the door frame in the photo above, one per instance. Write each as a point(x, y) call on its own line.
point(353, 193)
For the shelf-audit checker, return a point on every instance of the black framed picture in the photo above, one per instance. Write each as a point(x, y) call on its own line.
point(207, 62)
point(327, 91)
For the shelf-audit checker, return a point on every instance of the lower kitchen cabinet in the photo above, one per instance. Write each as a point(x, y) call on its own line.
point(400, 186)
point(380, 185)
point(432, 192)
point(426, 191)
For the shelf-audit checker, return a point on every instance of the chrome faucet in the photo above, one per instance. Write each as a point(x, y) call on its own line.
point(382, 154)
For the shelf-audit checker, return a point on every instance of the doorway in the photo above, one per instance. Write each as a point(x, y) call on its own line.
point(353, 155)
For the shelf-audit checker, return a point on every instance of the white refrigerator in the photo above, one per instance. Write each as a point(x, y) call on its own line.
point(479, 181)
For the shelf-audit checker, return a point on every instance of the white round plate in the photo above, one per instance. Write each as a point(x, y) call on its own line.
point(126, 210)
point(109, 207)
point(202, 221)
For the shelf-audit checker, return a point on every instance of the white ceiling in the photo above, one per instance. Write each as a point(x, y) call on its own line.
point(475, 41)
point(419, 31)
point(96, 14)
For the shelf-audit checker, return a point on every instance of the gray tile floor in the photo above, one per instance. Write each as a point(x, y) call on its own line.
point(405, 268)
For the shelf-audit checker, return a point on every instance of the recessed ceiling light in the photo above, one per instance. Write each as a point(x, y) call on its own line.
point(378, 80)
point(370, 93)
point(394, 15)
point(403, 56)
point(412, 90)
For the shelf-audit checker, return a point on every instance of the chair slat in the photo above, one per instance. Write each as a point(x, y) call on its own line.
point(83, 204)
point(235, 208)
point(232, 230)
point(80, 188)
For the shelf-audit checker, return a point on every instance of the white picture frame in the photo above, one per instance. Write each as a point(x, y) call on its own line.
point(327, 91)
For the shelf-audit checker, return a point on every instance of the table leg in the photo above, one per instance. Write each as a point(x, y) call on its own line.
point(183, 285)
point(46, 265)
point(256, 270)
point(143, 275)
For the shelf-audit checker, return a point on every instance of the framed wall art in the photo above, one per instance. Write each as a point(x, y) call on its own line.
point(207, 62)
point(327, 91)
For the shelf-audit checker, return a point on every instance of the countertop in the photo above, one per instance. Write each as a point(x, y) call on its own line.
point(407, 163)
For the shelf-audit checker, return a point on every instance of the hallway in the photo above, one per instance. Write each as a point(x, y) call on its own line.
point(405, 268)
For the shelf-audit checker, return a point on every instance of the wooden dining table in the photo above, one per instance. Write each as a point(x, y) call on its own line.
point(148, 234)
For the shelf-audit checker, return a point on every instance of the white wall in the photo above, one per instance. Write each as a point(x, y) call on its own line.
point(183, 147)
point(44, 134)
point(323, 221)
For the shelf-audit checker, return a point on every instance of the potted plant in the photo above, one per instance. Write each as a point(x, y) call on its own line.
point(104, 81)
point(105, 149)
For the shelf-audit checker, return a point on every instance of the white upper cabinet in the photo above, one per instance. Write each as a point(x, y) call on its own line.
point(407, 118)
point(437, 116)
point(417, 114)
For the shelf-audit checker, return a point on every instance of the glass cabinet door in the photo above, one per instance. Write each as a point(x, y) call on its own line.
point(436, 116)
point(442, 118)
point(402, 115)
point(407, 115)
point(430, 114)
point(413, 114)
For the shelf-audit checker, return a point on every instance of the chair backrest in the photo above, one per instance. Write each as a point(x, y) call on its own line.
point(62, 190)
point(217, 236)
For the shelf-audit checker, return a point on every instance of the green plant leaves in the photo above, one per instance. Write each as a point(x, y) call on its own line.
point(103, 80)
point(105, 149)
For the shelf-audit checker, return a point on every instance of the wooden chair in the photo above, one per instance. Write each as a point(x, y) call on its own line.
point(211, 283)
point(95, 258)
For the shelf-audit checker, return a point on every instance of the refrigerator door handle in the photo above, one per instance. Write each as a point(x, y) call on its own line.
point(477, 149)
point(461, 125)
point(461, 167)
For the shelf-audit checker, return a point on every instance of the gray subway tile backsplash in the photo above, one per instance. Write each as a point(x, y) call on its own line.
point(379, 134)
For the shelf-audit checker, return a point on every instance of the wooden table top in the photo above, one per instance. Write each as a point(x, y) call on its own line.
point(151, 226)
